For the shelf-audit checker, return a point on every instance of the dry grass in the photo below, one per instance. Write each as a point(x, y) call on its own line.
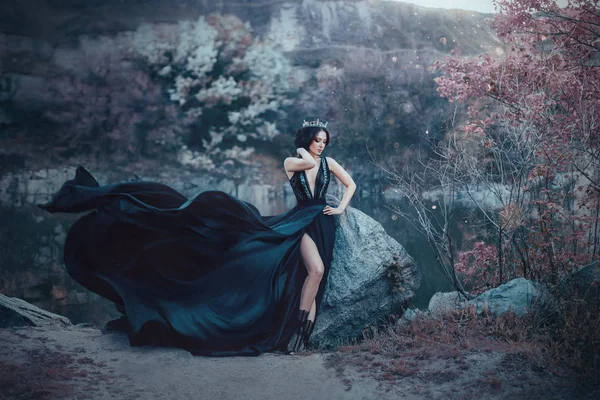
point(572, 337)
point(564, 345)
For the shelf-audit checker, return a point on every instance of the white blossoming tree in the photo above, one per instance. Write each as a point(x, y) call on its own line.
point(229, 85)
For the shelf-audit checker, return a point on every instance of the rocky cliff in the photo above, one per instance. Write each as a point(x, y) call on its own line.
point(181, 80)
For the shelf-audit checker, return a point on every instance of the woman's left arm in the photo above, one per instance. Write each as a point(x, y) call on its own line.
point(347, 180)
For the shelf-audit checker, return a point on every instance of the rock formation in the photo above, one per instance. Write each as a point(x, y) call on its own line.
point(17, 312)
point(519, 295)
point(371, 277)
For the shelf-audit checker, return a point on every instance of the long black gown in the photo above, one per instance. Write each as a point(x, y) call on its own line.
point(208, 274)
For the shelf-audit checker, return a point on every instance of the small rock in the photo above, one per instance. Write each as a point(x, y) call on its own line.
point(409, 315)
point(441, 302)
point(17, 312)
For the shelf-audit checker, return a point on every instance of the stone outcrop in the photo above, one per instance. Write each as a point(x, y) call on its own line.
point(17, 312)
point(519, 295)
point(371, 277)
point(307, 25)
point(75, 85)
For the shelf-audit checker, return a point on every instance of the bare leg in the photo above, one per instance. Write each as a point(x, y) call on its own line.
point(314, 266)
point(313, 311)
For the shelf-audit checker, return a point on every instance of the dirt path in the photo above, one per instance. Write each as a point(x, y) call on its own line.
point(82, 363)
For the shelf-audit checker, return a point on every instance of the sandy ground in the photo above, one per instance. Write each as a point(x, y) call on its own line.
point(81, 362)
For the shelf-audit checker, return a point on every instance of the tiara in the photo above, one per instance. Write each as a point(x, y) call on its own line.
point(314, 123)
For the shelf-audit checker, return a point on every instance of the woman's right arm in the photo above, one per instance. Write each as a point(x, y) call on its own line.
point(299, 164)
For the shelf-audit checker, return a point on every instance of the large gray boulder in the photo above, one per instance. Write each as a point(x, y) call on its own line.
point(17, 312)
point(519, 295)
point(371, 277)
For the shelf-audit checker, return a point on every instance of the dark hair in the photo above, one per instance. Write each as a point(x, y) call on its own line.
point(305, 136)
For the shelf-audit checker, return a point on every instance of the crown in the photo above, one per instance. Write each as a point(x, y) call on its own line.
point(314, 123)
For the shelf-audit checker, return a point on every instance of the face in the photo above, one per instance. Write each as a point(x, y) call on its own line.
point(318, 144)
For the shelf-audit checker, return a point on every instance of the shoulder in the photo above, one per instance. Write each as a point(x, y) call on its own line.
point(287, 161)
point(290, 164)
point(331, 163)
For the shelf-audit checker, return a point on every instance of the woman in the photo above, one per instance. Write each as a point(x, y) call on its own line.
point(208, 274)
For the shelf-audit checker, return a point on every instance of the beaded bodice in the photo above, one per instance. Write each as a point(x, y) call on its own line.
point(300, 186)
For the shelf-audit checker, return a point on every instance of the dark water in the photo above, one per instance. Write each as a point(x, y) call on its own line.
point(31, 266)
point(433, 279)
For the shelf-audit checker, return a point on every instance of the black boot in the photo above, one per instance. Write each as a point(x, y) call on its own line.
point(298, 339)
point(310, 325)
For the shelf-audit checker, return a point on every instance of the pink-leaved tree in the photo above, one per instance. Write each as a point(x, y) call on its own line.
point(534, 108)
